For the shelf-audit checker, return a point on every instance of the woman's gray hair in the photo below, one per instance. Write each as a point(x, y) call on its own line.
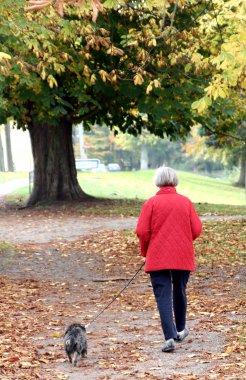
point(165, 176)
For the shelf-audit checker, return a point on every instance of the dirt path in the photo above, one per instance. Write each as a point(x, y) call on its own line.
point(57, 274)
point(57, 286)
point(25, 227)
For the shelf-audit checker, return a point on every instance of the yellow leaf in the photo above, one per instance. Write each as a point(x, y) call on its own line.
point(215, 93)
point(57, 335)
point(196, 58)
point(103, 75)
point(52, 81)
point(152, 42)
point(93, 79)
point(133, 111)
point(243, 83)
point(27, 365)
point(115, 51)
point(4, 56)
point(113, 78)
point(149, 88)
point(86, 71)
point(229, 349)
point(222, 92)
point(87, 55)
point(157, 83)
point(138, 79)
point(202, 104)
point(43, 74)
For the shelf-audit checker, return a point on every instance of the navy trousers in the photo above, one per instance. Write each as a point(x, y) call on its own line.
point(169, 288)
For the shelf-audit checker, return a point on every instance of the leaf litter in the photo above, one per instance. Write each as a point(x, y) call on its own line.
point(37, 303)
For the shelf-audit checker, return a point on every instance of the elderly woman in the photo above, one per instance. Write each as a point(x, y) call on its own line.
point(166, 228)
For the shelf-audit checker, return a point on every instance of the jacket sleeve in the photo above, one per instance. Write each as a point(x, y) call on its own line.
point(143, 229)
point(196, 224)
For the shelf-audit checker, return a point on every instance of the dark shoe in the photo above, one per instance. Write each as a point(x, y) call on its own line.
point(168, 346)
point(182, 335)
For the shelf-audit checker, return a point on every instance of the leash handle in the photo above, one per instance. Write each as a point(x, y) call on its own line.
point(115, 297)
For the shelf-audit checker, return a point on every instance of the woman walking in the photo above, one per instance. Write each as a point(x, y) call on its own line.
point(167, 226)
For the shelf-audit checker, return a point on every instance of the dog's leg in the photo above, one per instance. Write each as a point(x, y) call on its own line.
point(76, 357)
point(84, 354)
point(69, 358)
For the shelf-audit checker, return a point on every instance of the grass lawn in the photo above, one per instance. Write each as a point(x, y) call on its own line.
point(139, 185)
point(10, 176)
point(122, 193)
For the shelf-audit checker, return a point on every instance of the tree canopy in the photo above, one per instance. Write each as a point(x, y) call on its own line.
point(142, 64)
point(116, 71)
point(138, 59)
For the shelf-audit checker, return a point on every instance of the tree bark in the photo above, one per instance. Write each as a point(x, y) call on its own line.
point(242, 177)
point(10, 163)
point(144, 159)
point(55, 175)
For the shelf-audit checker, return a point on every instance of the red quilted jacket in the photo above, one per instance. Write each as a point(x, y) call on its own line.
point(167, 226)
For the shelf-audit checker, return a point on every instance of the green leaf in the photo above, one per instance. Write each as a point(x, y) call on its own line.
point(202, 104)
point(109, 4)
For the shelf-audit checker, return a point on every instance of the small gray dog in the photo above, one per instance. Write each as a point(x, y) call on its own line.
point(75, 342)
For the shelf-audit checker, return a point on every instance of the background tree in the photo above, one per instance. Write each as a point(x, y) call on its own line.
point(10, 162)
point(101, 144)
point(2, 164)
point(222, 51)
point(226, 131)
point(204, 155)
point(181, 155)
point(222, 137)
point(127, 71)
point(126, 150)
point(137, 146)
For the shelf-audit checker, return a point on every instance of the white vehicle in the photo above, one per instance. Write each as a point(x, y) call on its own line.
point(101, 169)
point(114, 167)
point(87, 164)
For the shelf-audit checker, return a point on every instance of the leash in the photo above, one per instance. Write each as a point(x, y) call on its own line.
point(115, 297)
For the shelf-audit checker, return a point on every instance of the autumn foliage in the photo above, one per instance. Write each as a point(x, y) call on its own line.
point(59, 5)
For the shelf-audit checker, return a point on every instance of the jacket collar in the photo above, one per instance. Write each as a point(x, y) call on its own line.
point(167, 190)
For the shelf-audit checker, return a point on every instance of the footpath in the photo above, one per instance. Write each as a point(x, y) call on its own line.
point(48, 227)
point(57, 268)
point(11, 186)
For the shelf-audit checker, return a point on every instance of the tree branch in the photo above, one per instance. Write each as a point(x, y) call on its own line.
point(86, 116)
point(225, 134)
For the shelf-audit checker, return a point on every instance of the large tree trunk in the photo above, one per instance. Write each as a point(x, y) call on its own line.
point(10, 162)
point(242, 178)
point(55, 175)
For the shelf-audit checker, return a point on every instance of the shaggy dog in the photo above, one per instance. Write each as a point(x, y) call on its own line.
point(75, 342)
